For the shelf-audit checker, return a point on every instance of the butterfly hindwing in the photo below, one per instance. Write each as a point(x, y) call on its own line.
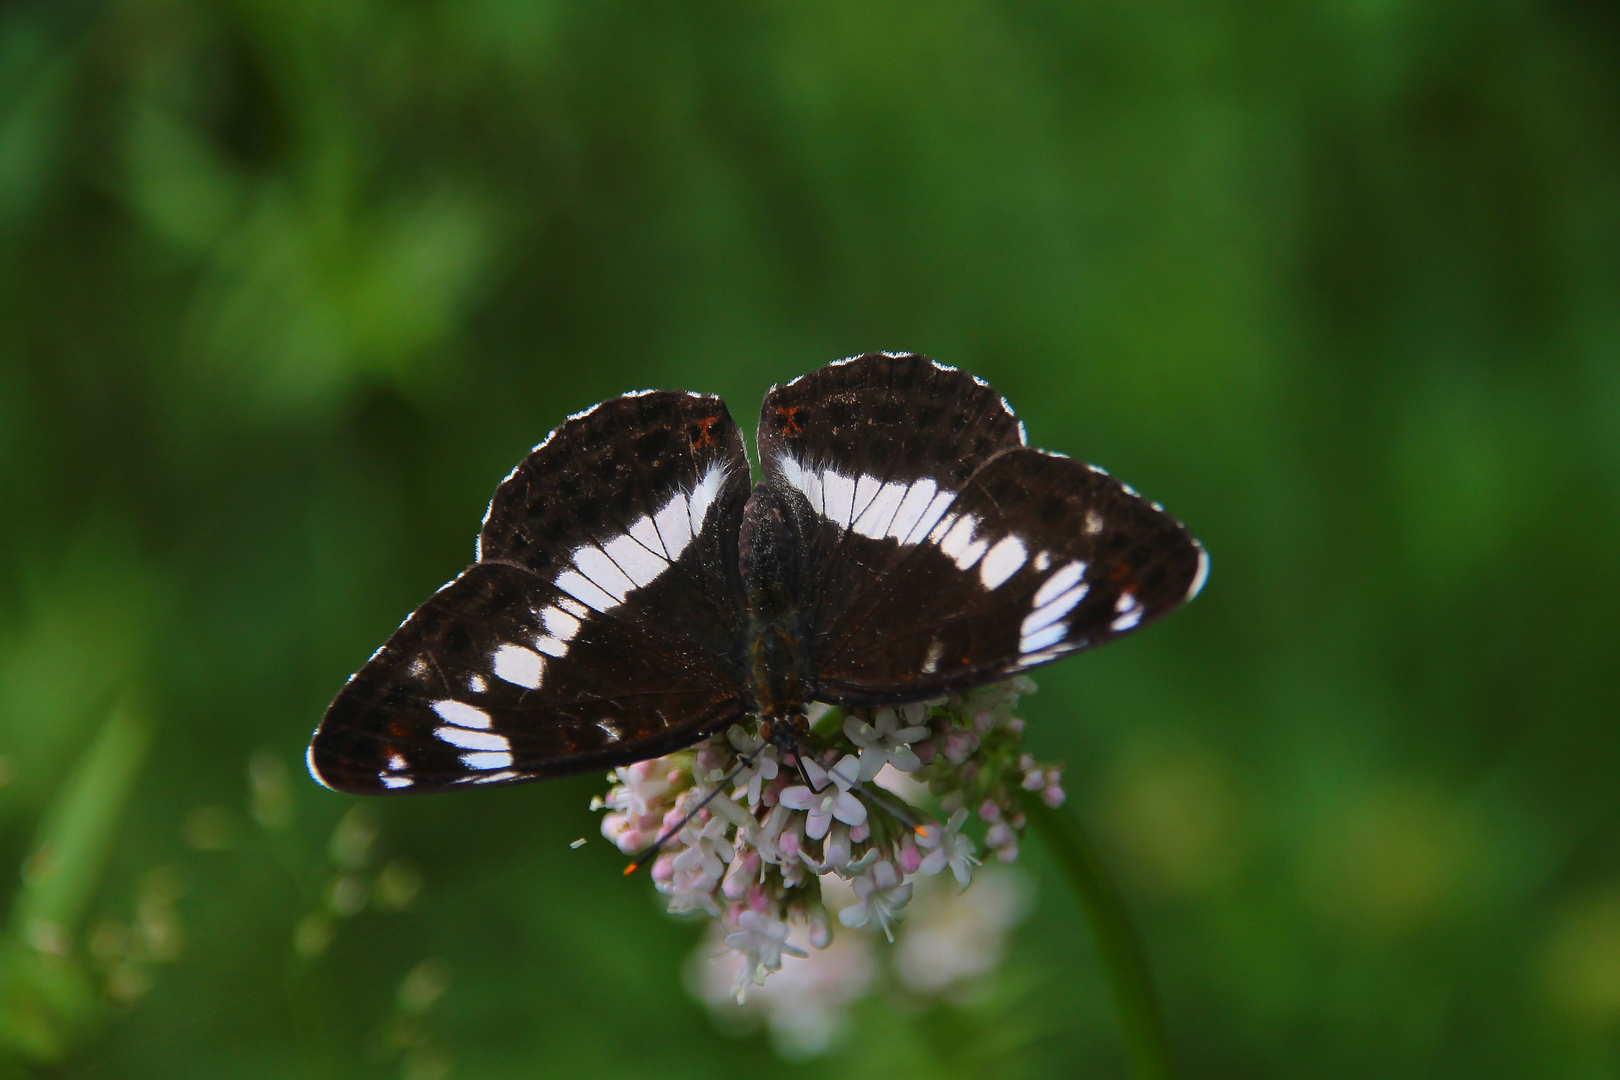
point(601, 624)
point(1038, 557)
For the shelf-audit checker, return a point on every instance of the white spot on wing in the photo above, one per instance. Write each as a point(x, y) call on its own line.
point(912, 507)
point(1060, 582)
point(704, 494)
point(550, 645)
point(632, 557)
point(956, 539)
point(585, 591)
point(1053, 610)
point(460, 714)
point(559, 623)
point(646, 534)
point(609, 729)
point(487, 760)
point(1042, 638)
point(930, 517)
point(674, 524)
point(1042, 561)
point(936, 649)
point(395, 781)
point(838, 495)
point(396, 762)
point(476, 684)
point(1002, 561)
point(594, 563)
point(473, 740)
point(879, 513)
point(519, 666)
point(866, 489)
point(1130, 609)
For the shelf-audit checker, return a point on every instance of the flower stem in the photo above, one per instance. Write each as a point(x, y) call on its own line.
point(1117, 944)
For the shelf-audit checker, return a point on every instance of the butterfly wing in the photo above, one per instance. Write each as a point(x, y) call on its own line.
point(601, 624)
point(1016, 557)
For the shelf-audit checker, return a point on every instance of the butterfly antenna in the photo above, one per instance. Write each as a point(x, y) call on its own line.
point(743, 762)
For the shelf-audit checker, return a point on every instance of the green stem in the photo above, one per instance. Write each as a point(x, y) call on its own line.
point(1117, 944)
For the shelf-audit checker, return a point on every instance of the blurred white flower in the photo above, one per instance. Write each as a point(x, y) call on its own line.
point(949, 940)
point(805, 1005)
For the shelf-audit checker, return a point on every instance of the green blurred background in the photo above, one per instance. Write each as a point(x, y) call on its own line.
point(286, 287)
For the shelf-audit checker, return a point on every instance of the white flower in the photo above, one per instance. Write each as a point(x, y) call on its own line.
point(948, 847)
point(761, 942)
point(836, 852)
point(753, 778)
point(640, 787)
point(691, 890)
point(833, 801)
point(885, 741)
point(707, 849)
point(878, 895)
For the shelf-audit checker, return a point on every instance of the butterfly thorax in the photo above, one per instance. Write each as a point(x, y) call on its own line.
point(776, 660)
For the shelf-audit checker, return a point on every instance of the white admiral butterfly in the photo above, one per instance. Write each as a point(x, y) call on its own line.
point(634, 593)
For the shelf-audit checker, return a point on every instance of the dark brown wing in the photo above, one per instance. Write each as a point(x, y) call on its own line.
point(602, 623)
point(938, 552)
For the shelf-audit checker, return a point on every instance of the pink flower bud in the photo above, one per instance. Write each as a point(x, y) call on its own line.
point(908, 857)
point(1017, 821)
point(1015, 727)
point(1008, 852)
point(998, 836)
point(1054, 777)
point(1033, 780)
point(672, 817)
point(970, 772)
point(1053, 796)
point(983, 721)
point(789, 845)
point(925, 751)
point(959, 745)
point(757, 900)
point(663, 868)
point(858, 833)
point(989, 811)
point(742, 872)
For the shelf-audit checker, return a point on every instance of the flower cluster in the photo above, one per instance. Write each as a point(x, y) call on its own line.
point(882, 797)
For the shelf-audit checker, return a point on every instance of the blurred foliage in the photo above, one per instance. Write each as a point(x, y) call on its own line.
point(286, 288)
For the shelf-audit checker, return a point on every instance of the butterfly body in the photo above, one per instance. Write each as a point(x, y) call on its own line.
point(634, 592)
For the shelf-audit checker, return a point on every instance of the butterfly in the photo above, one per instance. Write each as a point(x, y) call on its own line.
point(635, 592)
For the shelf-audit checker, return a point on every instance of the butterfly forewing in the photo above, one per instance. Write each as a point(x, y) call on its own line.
point(866, 455)
point(601, 625)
